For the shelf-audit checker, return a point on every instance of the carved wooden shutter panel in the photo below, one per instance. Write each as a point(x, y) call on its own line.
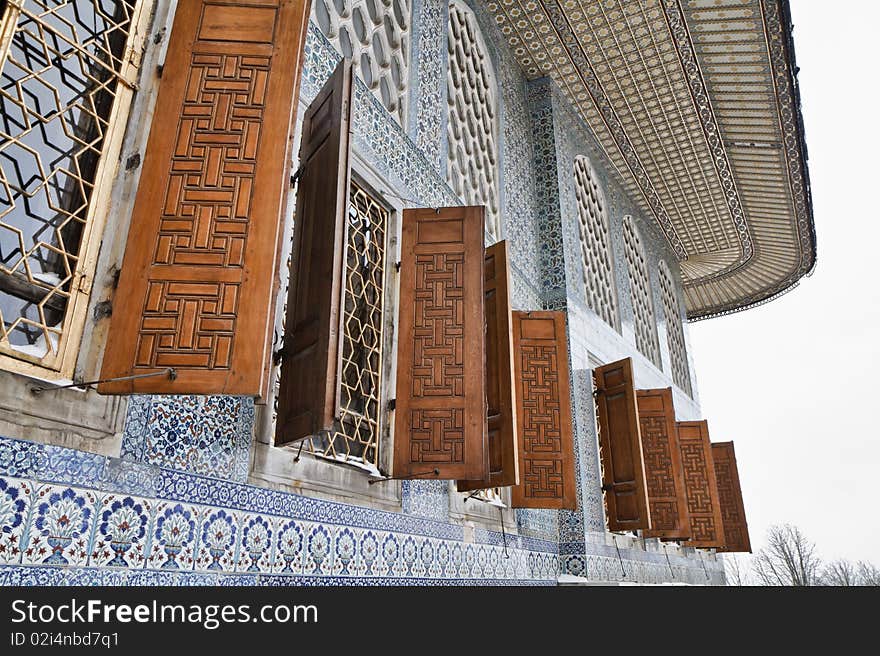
point(700, 486)
point(199, 272)
point(623, 469)
point(667, 500)
point(733, 512)
point(440, 418)
point(546, 438)
point(308, 398)
point(501, 413)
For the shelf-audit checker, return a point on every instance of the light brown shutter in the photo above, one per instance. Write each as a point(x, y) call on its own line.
point(199, 272)
point(623, 470)
point(666, 495)
point(700, 487)
point(307, 400)
point(501, 413)
point(543, 396)
point(733, 512)
point(440, 418)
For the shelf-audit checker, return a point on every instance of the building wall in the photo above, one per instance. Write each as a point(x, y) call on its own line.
point(285, 517)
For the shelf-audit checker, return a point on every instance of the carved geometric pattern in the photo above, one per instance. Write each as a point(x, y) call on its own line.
point(374, 34)
point(729, 501)
point(542, 437)
point(657, 457)
point(674, 330)
point(438, 342)
point(187, 324)
point(207, 202)
point(693, 462)
point(640, 292)
point(595, 242)
point(437, 436)
point(664, 514)
point(58, 83)
point(733, 519)
point(472, 127)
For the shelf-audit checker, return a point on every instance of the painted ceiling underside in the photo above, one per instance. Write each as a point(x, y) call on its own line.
point(695, 104)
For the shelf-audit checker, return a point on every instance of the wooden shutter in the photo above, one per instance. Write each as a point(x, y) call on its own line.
point(199, 272)
point(667, 501)
point(307, 400)
point(440, 418)
point(543, 412)
point(501, 413)
point(733, 512)
point(700, 487)
point(620, 446)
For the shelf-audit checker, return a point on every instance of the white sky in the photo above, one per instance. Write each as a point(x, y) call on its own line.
point(793, 382)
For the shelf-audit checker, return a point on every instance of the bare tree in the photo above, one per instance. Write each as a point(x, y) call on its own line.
point(840, 572)
point(788, 559)
point(868, 573)
point(737, 569)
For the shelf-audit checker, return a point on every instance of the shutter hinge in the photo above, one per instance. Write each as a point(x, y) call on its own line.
point(84, 284)
point(397, 266)
point(607, 487)
point(131, 62)
point(297, 175)
point(278, 355)
point(392, 404)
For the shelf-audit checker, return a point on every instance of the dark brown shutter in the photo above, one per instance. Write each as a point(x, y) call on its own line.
point(199, 272)
point(666, 495)
point(307, 400)
point(733, 512)
point(623, 470)
point(700, 487)
point(440, 418)
point(501, 413)
point(543, 412)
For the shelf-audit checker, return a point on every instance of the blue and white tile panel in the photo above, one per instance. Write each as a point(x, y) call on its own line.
point(208, 530)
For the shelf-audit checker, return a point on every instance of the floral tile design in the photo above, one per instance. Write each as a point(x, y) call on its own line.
point(15, 504)
point(174, 536)
point(121, 534)
point(61, 525)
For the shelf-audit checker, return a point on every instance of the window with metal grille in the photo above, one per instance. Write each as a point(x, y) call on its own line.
point(67, 70)
point(595, 247)
point(640, 293)
point(355, 439)
point(375, 35)
point(674, 331)
point(472, 124)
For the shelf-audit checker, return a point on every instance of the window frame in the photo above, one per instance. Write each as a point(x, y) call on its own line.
point(60, 365)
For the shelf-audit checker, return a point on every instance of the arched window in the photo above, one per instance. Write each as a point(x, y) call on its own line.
point(640, 293)
point(595, 248)
point(674, 330)
point(375, 35)
point(473, 121)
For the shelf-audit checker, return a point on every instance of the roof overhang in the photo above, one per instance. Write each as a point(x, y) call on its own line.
point(696, 105)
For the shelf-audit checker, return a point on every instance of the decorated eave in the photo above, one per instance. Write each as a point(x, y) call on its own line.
point(695, 103)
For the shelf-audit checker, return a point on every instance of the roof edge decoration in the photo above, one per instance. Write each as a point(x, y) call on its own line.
point(696, 106)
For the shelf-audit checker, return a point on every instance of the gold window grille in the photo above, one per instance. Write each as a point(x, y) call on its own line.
point(67, 74)
point(355, 438)
point(491, 495)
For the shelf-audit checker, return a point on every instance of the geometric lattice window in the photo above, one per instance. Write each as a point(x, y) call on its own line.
point(356, 438)
point(374, 34)
point(674, 330)
point(66, 71)
point(595, 248)
point(640, 293)
point(472, 126)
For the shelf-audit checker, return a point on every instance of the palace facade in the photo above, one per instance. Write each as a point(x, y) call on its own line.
point(365, 292)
